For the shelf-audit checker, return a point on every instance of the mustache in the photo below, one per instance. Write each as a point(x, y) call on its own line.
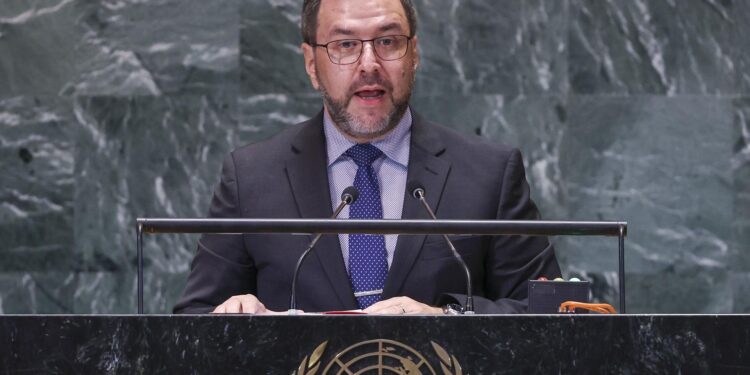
point(369, 80)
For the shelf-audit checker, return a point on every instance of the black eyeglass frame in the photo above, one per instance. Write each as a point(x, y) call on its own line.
point(363, 41)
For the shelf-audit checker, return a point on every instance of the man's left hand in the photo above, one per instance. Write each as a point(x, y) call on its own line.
point(402, 306)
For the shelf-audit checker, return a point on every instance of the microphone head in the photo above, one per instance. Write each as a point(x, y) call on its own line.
point(350, 195)
point(415, 188)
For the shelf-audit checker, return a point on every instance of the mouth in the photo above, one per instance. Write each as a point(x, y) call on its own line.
point(370, 93)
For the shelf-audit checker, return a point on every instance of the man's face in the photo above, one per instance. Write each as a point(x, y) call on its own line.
point(367, 98)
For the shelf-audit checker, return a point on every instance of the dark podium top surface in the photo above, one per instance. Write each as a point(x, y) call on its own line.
point(479, 344)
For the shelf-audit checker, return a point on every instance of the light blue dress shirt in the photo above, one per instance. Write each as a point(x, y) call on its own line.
point(391, 169)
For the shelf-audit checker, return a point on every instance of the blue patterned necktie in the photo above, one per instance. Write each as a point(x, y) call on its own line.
point(368, 260)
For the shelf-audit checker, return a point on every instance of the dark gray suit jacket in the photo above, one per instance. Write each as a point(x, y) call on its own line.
point(286, 177)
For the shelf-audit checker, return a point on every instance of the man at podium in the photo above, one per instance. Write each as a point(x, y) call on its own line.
point(362, 57)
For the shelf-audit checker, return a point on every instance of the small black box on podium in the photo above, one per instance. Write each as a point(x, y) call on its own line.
point(546, 296)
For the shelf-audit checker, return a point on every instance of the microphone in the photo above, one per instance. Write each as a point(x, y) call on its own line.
point(417, 191)
point(348, 196)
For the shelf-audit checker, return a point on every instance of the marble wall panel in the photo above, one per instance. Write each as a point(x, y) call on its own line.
point(509, 47)
point(741, 221)
point(656, 47)
point(116, 292)
point(740, 282)
point(157, 47)
point(262, 116)
point(741, 173)
point(36, 196)
point(664, 165)
point(124, 47)
point(36, 205)
point(741, 57)
point(38, 46)
point(145, 157)
point(39, 292)
point(696, 291)
point(271, 60)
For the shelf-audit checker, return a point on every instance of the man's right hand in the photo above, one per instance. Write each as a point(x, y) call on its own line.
point(244, 304)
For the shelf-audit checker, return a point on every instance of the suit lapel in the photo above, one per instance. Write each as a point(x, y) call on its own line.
point(426, 167)
point(308, 176)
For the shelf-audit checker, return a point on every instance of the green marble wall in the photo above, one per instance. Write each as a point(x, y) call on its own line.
point(625, 110)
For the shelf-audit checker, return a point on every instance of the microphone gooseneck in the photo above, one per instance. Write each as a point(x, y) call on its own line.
point(418, 192)
point(348, 196)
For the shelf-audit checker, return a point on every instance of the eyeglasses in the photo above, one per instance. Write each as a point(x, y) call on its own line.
point(348, 51)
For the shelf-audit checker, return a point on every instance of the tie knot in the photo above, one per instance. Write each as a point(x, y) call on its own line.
point(363, 154)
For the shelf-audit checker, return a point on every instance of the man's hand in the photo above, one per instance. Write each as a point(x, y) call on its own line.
point(401, 306)
point(244, 304)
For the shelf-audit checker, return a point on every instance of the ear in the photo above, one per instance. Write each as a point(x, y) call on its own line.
point(308, 52)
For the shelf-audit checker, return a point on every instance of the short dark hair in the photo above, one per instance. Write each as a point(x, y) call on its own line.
point(309, 24)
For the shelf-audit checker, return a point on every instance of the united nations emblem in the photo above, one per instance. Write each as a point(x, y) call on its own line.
point(378, 357)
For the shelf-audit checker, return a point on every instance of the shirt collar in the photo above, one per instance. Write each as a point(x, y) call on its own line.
point(395, 145)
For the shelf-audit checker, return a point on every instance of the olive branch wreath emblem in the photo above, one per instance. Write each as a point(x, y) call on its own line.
point(311, 363)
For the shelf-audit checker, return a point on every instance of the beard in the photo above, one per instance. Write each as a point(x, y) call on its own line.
point(367, 128)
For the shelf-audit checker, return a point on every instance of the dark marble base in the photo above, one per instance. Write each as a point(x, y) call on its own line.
point(632, 344)
point(623, 110)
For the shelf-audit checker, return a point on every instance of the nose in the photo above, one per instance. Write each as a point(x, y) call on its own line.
point(369, 62)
